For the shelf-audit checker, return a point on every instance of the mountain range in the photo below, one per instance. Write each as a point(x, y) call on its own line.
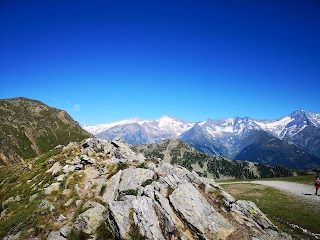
point(293, 140)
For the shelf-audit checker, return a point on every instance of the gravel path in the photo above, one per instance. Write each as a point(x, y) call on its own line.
point(298, 189)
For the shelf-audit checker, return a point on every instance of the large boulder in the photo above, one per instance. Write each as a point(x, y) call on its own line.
point(118, 219)
point(146, 218)
point(250, 210)
point(132, 179)
point(198, 213)
point(111, 191)
point(91, 219)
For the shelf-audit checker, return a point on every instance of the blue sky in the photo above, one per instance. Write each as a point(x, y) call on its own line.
point(104, 61)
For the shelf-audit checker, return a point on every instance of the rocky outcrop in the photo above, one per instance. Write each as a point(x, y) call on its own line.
point(132, 179)
point(193, 208)
point(146, 218)
point(99, 188)
point(91, 219)
point(119, 218)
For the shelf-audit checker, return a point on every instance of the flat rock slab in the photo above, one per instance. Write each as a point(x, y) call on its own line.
point(198, 213)
point(132, 179)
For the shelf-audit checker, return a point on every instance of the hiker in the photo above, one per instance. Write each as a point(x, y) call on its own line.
point(317, 184)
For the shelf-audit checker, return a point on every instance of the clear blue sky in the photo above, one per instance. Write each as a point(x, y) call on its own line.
point(104, 61)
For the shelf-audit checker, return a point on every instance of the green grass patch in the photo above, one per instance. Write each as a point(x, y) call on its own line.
point(281, 208)
point(47, 155)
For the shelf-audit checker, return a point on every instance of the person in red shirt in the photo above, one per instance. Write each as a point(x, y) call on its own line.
point(317, 184)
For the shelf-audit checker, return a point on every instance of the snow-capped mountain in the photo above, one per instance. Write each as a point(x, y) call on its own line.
point(142, 131)
point(295, 137)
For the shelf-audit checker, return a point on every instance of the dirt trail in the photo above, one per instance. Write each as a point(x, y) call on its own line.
point(298, 189)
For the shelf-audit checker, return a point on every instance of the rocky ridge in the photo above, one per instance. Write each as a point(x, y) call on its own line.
point(98, 189)
point(175, 151)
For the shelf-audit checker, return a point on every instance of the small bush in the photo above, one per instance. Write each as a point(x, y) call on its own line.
point(147, 182)
point(77, 235)
point(134, 231)
point(103, 188)
point(170, 191)
point(127, 192)
point(103, 233)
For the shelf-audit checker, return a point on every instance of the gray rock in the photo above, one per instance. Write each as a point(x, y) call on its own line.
point(146, 218)
point(61, 177)
point(76, 160)
point(33, 197)
point(68, 168)
point(168, 220)
point(111, 191)
point(118, 218)
point(91, 219)
point(227, 198)
point(69, 202)
point(251, 211)
point(61, 218)
point(78, 167)
point(58, 146)
point(78, 202)
point(46, 205)
point(55, 168)
point(85, 160)
point(132, 179)
point(53, 187)
point(61, 234)
point(198, 213)
point(55, 235)
point(10, 200)
point(13, 236)
point(3, 214)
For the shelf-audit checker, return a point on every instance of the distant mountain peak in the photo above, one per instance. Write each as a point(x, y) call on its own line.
point(225, 136)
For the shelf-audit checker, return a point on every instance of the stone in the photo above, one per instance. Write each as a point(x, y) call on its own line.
point(61, 218)
point(146, 218)
point(168, 220)
point(56, 167)
point(10, 200)
point(61, 234)
point(76, 160)
point(111, 191)
point(33, 197)
point(52, 188)
point(90, 220)
point(84, 159)
point(3, 214)
point(13, 236)
point(46, 205)
point(77, 189)
point(55, 235)
point(118, 219)
point(250, 210)
point(69, 202)
point(198, 213)
point(78, 167)
point(132, 179)
point(78, 202)
point(227, 198)
point(68, 168)
point(58, 146)
point(61, 177)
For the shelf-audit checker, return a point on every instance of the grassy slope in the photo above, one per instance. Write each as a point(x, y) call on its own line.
point(282, 208)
